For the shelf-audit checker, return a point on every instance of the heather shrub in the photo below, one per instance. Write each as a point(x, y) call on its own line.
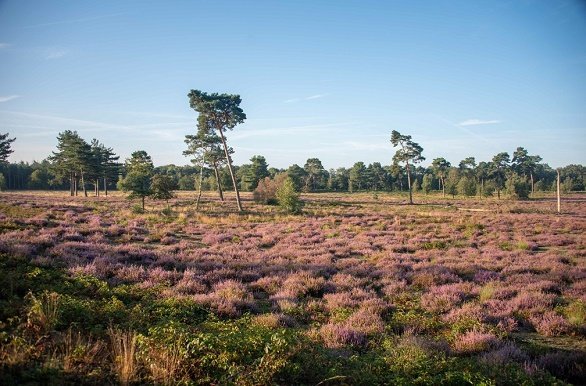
point(474, 341)
point(504, 355)
point(550, 324)
point(568, 365)
point(341, 335)
point(365, 321)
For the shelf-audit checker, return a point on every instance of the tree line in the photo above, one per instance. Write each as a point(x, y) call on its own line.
point(79, 165)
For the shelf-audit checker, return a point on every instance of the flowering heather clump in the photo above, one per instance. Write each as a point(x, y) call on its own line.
point(338, 336)
point(340, 300)
point(505, 354)
point(366, 322)
point(550, 324)
point(474, 341)
point(190, 284)
point(301, 284)
point(445, 297)
point(231, 290)
point(268, 284)
point(132, 274)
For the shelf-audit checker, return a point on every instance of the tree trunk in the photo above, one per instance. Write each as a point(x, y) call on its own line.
point(443, 186)
point(71, 191)
point(231, 170)
point(75, 185)
point(559, 192)
point(409, 183)
point(218, 182)
point(97, 187)
point(481, 187)
point(142, 198)
point(199, 187)
point(532, 184)
point(106, 186)
point(83, 185)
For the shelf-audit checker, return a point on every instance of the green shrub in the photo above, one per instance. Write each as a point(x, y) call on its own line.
point(467, 186)
point(518, 187)
point(288, 198)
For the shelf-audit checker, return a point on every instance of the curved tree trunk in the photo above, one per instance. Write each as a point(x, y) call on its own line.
point(199, 187)
point(231, 170)
point(220, 192)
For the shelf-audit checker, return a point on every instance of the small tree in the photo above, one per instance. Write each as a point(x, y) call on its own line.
point(426, 183)
point(162, 187)
point(440, 168)
point(357, 177)
point(467, 186)
point(409, 151)
point(138, 180)
point(257, 170)
point(499, 169)
point(315, 175)
point(5, 149)
point(288, 198)
point(72, 160)
point(518, 187)
point(452, 182)
point(297, 174)
point(525, 165)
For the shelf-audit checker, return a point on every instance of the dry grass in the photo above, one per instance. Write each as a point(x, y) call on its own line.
point(124, 345)
point(164, 363)
point(43, 311)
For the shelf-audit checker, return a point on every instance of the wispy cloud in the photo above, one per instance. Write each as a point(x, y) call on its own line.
point(4, 45)
point(163, 131)
point(307, 98)
point(316, 96)
point(55, 53)
point(475, 122)
point(8, 98)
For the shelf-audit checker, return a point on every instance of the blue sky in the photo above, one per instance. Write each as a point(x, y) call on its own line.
point(326, 79)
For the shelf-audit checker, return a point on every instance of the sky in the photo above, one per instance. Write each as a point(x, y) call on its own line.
point(325, 79)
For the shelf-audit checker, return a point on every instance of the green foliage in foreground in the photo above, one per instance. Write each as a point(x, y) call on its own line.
point(64, 332)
